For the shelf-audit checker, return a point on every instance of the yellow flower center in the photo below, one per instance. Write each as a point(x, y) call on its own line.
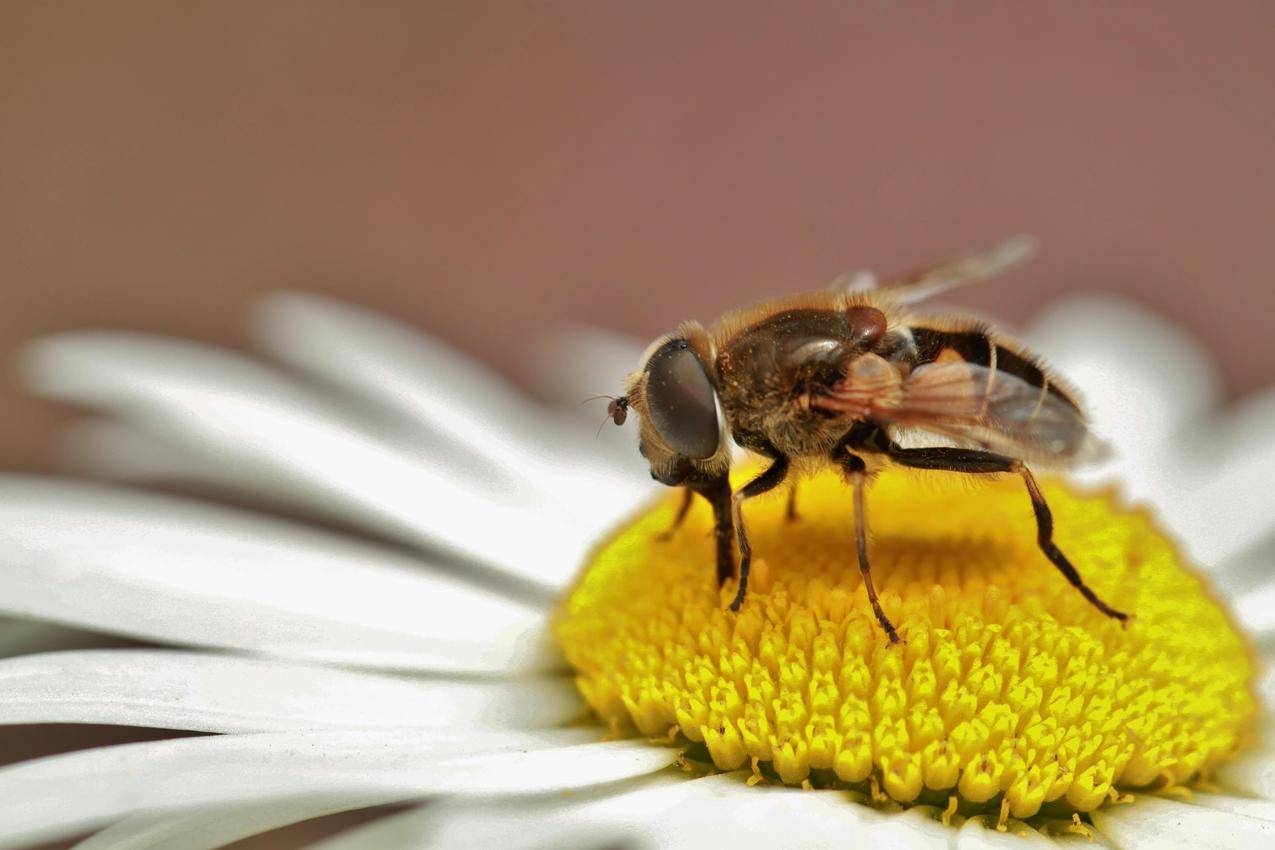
point(1010, 690)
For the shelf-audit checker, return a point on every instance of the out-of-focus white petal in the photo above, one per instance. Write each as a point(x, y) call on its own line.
point(578, 362)
point(381, 358)
point(1153, 389)
point(21, 636)
point(179, 571)
point(1155, 822)
point(916, 829)
point(230, 410)
point(428, 388)
point(981, 834)
point(575, 362)
point(1223, 501)
point(1249, 773)
point(1255, 610)
point(212, 693)
point(1143, 378)
point(207, 828)
point(658, 812)
point(62, 795)
point(123, 451)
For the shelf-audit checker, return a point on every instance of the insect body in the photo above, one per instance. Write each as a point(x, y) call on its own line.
point(837, 377)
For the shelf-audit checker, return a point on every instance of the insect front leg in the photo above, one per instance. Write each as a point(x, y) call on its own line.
point(768, 480)
point(974, 461)
point(856, 471)
point(683, 509)
point(716, 491)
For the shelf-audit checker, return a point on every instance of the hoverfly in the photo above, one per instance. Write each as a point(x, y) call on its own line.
point(836, 377)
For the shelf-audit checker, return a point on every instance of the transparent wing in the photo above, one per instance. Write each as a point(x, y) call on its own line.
point(971, 404)
point(854, 280)
point(968, 268)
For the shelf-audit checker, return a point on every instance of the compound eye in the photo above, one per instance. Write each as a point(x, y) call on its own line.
point(681, 401)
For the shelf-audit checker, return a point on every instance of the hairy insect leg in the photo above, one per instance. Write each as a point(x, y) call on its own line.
point(771, 478)
point(683, 509)
point(716, 491)
point(1045, 540)
point(974, 461)
point(856, 471)
point(790, 513)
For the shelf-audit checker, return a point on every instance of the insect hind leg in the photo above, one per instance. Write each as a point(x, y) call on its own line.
point(1045, 540)
point(974, 461)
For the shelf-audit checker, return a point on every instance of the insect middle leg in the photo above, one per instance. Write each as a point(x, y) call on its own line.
point(974, 461)
point(790, 513)
point(856, 471)
point(771, 478)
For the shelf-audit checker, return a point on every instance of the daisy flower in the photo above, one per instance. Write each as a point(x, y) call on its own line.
point(419, 628)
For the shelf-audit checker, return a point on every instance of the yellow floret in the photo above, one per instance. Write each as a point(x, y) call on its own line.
point(1011, 690)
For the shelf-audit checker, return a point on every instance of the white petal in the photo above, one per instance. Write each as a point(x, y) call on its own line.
point(21, 636)
point(62, 795)
point(211, 693)
point(230, 410)
point(117, 450)
point(1252, 594)
point(430, 390)
point(180, 571)
point(1154, 822)
point(1153, 389)
point(1250, 773)
point(1224, 503)
point(575, 362)
point(980, 833)
point(574, 366)
point(1249, 808)
point(403, 371)
point(208, 828)
point(667, 811)
point(1143, 377)
point(915, 829)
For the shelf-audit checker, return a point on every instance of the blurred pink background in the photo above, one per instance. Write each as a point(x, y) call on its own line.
point(489, 170)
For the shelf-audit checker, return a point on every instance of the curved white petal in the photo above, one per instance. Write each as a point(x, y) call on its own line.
point(180, 571)
point(980, 833)
point(666, 811)
point(1224, 503)
point(229, 410)
point(574, 362)
point(1155, 822)
point(66, 794)
point(1153, 389)
point(207, 828)
point(403, 371)
point(428, 388)
point(576, 366)
point(124, 451)
point(167, 689)
point(22, 636)
point(1143, 378)
point(1249, 773)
